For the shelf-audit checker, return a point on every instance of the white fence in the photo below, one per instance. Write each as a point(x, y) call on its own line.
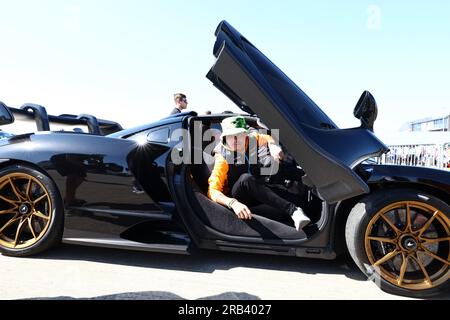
point(425, 155)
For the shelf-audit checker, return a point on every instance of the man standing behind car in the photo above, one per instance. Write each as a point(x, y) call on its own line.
point(180, 103)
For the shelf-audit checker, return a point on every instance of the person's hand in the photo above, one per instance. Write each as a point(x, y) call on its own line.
point(276, 152)
point(241, 210)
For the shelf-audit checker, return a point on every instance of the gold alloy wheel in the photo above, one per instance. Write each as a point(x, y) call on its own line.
point(408, 244)
point(25, 210)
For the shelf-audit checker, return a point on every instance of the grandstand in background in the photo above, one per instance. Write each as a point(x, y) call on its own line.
point(441, 124)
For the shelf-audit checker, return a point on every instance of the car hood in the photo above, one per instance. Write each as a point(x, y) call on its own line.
point(256, 85)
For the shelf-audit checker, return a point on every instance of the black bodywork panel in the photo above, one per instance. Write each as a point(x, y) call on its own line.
point(384, 175)
point(122, 183)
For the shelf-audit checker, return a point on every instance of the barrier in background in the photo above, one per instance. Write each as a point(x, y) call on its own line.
point(425, 155)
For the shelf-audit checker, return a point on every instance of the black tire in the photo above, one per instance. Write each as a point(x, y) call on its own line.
point(362, 217)
point(44, 238)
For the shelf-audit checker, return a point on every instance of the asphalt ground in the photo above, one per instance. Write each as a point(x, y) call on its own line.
point(72, 272)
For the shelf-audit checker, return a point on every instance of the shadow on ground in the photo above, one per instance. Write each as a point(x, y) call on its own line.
point(205, 261)
point(200, 261)
point(157, 295)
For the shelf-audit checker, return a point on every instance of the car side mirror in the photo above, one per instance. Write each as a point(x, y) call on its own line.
point(6, 116)
point(366, 110)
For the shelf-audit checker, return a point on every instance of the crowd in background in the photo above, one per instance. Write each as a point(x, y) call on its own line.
point(437, 156)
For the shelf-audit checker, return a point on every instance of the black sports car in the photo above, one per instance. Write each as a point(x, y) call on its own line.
point(130, 190)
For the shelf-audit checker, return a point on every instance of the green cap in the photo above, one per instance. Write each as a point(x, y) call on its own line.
point(233, 126)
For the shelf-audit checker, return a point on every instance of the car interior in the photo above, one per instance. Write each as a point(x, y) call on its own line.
point(267, 222)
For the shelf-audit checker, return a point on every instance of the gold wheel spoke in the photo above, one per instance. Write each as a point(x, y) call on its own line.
point(30, 225)
point(422, 267)
point(12, 210)
point(10, 222)
point(431, 254)
point(393, 227)
point(434, 240)
point(25, 210)
point(383, 239)
point(39, 214)
point(39, 199)
point(403, 269)
point(13, 202)
point(19, 231)
point(408, 227)
point(427, 225)
point(387, 257)
point(16, 192)
point(409, 232)
point(28, 189)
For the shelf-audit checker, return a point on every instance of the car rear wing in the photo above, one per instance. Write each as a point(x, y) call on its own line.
point(32, 117)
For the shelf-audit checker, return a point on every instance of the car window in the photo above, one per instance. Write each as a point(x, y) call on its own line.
point(159, 136)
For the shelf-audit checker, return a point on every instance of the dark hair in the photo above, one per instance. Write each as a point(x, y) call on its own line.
point(178, 96)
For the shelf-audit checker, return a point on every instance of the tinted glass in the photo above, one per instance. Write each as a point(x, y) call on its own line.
point(5, 116)
point(159, 136)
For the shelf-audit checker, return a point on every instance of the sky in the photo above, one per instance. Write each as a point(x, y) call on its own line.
point(124, 60)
